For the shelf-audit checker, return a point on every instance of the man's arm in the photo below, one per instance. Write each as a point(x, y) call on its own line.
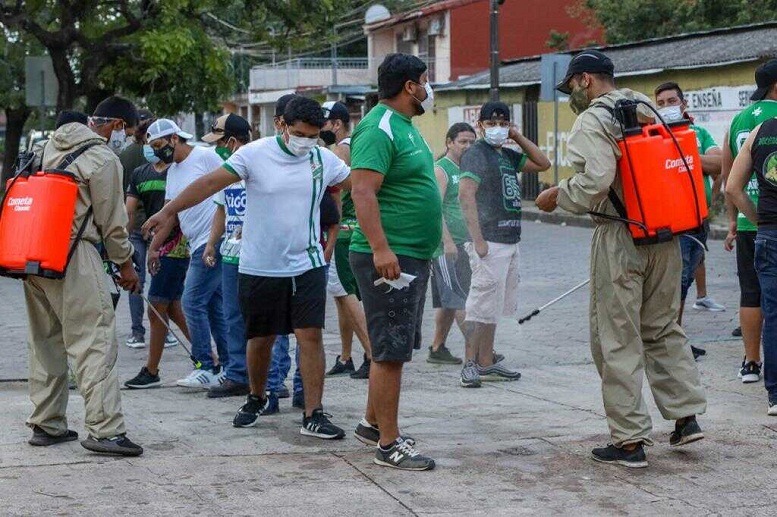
point(536, 159)
point(468, 188)
point(217, 228)
point(365, 185)
point(711, 162)
point(726, 161)
point(449, 246)
point(110, 215)
point(739, 176)
point(132, 206)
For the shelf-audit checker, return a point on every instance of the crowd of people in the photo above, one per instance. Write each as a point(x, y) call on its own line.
point(243, 239)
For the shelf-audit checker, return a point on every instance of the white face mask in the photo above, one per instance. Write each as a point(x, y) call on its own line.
point(671, 113)
point(301, 146)
point(497, 135)
point(117, 140)
point(428, 103)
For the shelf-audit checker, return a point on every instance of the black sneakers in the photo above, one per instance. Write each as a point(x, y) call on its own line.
point(442, 356)
point(119, 445)
point(364, 370)
point(686, 432)
point(341, 368)
point(319, 426)
point(229, 389)
point(144, 380)
point(41, 438)
point(401, 455)
point(369, 434)
point(737, 332)
point(250, 411)
point(611, 454)
point(750, 372)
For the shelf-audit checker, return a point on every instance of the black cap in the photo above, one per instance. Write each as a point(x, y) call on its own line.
point(144, 114)
point(591, 61)
point(494, 108)
point(765, 77)
point(228, 125)
point(68, 117)
point(336, 111)
point(280, 105)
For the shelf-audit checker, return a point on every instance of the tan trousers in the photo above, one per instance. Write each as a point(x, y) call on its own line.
point(635, 300)
point(73, 319)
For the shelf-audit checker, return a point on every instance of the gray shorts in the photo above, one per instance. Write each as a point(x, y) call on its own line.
point(451, 280)
point(394, 317)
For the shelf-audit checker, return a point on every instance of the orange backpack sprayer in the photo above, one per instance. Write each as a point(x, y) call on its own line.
point(660, 171)
point(36, 217)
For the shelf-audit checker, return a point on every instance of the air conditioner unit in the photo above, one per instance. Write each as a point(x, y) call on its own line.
point(437, 26)
point(409, 33)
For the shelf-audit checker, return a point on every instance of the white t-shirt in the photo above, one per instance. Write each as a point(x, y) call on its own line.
point(195, 221)
point(281, 229)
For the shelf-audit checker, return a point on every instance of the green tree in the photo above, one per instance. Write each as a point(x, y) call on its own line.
point(13, 50)
point(633, 20)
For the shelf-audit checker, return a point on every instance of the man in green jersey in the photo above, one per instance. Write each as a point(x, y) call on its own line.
point(741, 230)
point(399, 211)
point(451, 272)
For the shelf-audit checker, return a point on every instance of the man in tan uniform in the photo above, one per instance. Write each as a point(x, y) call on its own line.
point(73, 318)
point(635, 298)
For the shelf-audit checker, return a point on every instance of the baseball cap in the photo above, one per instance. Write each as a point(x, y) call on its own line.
point(227, 125)
point(591, 61)
point(334, 110)
point(765, 77)
point(165, 127)
point(280, 105)
point(144, 114)
point(494, 108)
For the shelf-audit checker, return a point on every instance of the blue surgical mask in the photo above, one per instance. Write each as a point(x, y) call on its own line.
point(148, 154)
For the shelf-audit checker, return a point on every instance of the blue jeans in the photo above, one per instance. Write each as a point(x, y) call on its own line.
point(236, 334)
point(693, 254)
point(203, 308)
point(135, 301)
point(281, 364)
point(766, 267)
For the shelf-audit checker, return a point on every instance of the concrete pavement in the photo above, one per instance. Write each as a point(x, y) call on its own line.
point(505, 449)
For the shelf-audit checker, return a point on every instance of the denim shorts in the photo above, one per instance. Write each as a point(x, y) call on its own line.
point(167, 284)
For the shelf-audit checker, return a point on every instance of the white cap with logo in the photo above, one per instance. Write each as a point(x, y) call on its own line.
point(165, 127)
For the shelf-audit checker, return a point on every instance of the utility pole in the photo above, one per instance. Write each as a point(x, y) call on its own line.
point(494, 92)
point(334, 55)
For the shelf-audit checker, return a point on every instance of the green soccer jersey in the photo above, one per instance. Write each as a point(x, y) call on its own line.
point(348, 217)
point(705, 142)
point(451, 209)
point(745, 121)
point(387, 142)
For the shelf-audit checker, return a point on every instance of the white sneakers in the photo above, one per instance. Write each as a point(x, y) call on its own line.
point(134, 342)
point(204, 379)
point(708, 304)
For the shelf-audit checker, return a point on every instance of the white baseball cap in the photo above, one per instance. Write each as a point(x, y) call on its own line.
point(165, 127)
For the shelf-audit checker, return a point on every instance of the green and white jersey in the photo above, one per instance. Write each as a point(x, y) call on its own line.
point(745, 121)
point(451, 209)
point(387, 142)
point(705, 142)
point(281, 226)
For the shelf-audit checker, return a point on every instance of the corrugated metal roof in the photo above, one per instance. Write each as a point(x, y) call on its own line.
point(694, 50)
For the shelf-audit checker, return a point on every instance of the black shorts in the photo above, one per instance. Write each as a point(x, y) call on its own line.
point(749, 287)
point(394, 317)
point(274, 306)
point(451, 280)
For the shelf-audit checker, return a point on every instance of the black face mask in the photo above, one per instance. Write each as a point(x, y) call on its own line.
point(165, 153)
point(328, 137)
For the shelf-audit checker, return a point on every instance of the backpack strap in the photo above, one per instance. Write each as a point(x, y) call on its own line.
point(68, 160)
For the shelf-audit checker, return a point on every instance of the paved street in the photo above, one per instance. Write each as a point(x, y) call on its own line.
point(505, 449)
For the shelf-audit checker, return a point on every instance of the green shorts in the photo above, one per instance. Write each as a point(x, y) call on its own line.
point(343, 265)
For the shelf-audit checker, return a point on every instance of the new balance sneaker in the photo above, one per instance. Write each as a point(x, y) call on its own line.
point(229, 388)
point(442, 356)
point(772, 411)
point(170, 341)
point(200, 378)
point(298, 401)
point(697, 352)
point(135, 342)
point(686, 432)
point(634, 458)
point(341, 368)
point(750, 372)
point(497, 372)
point(401, 455)
point(41, 438)
point(144, 380)
point(319, 426)
point(470, 378)
point(364, 370)
point(119, 445)
point(369, 434)
point(250, 411)
point(708, 304)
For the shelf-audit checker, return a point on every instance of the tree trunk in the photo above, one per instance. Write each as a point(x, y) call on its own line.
point(15, 120)
point(199, 126)
point(66, 81)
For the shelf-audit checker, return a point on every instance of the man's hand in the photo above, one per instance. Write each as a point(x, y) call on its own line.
point(547, 201)
point(128, 277)
point(209, 255)
point(481, 248)
point(155, 223)
point(449, 248)
point(153, 262)
point(328, 252)
point(514, 134)
point(731, 237)
point(387, 264)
